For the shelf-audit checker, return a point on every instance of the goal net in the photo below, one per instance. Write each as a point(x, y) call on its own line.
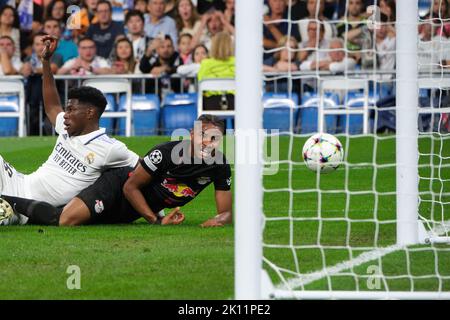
point(379, 226)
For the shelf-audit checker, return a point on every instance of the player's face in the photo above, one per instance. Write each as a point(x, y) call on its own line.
point(76, 116)
point(205, 139)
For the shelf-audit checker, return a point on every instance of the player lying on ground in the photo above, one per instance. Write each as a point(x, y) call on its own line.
point(82, 151)
point(169, 176)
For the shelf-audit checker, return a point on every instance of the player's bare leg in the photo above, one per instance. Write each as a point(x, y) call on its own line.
point(75, 213)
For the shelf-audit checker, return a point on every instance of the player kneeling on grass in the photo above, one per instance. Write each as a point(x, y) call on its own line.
point(169, 176)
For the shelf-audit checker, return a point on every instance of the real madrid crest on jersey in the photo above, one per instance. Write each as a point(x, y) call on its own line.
point(156, 157)
point(203, 180)
point(90, 157)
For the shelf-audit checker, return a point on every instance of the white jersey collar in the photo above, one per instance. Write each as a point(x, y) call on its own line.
point(87, 138)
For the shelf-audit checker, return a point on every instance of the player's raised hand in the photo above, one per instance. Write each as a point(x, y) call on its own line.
point(50, 44)
point(174, 217)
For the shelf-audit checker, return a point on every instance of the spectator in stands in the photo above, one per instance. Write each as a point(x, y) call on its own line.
point(141, 5)
point(433, 51)
point(66, 48)
point(184, 47)
point(199, 53)
point(9, 63)
point(229, 11)
point(57, 9)
point(273, 32)
point(87, 16)
point(387, 7)
point(385, 45)
point(315, 48)
point(161, 62)
point(315, 12)
point(220, 65)
point(87, 62)
point(134, 20)
point(105, 32)
point(32, 68)
point(335, 61)
point(440, 15)
point(354, 19)
point(158, 24)
point(211, 24)
point(122, 60)
point(186, 17)
point(286, 59)
point(7, 21)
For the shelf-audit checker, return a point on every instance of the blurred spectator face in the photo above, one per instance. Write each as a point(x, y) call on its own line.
point(277, 7)
point(52, 28)
point(311, 6)
point(185, 9)
point(165, 50)
point(425, 31)
point(215, 24)
point(355, 7)
point(312, 31)
point(87, 50)
point(7, 17)
point(124, 50)
point(157, 8)
point(141, 5)
point(381, 32)
point(135, 25)
point(337, 54)
point(104, 14)
point(286, 54)
point(184, 45)
point(7, 45)
point(439, 8)
point(199, 54)
point(38, 45)
point(91, 4)
point(59, 10)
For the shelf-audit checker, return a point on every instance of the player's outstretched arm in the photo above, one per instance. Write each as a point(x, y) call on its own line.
point(132, 191)
point(52, 104)
point(224, 204)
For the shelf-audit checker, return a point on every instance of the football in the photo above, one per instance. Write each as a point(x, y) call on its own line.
point(6, 210)
point(323, 152)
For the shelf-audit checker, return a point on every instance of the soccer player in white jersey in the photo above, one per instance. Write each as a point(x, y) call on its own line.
point(82, 152)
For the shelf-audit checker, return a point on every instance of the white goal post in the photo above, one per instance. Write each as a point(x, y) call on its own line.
point(252, 281)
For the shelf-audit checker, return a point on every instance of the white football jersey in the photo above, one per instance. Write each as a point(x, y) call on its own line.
point(76, 163)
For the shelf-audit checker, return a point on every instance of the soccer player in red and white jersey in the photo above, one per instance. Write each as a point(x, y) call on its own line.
point(82, 151)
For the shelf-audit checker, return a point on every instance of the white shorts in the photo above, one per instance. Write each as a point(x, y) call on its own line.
point(12, 182)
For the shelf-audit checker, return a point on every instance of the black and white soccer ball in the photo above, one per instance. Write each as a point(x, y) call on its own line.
point(6, 211)
point(323, 152)
point(156, 156)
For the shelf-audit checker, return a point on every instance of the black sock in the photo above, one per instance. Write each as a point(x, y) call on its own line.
point(38, 212)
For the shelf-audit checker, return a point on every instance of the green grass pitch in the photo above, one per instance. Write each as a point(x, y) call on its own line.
point(140, 261)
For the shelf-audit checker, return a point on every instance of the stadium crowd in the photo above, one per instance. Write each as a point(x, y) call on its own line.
point(165, 37)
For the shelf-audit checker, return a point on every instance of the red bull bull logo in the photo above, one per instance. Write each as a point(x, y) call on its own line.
point(178, 189)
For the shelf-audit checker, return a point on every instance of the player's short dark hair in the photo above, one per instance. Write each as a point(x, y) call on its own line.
point(134, 13)
point(214, 120)
point(89, 96)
